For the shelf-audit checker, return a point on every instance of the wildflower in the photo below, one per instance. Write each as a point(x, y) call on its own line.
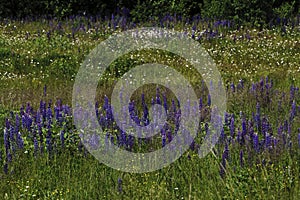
point(232, 128)
point(120, 185)
point(200, 104)
point(208, 100)
point(241, 158)
point(225, 157)
point(256, 142)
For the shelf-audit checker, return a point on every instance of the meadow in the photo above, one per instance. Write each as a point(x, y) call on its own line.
point(256, 157)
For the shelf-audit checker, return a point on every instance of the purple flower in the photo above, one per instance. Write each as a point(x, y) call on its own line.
point(268, 141)
point(208, 100)
point(293, 111)
point(256, 142)
point(257, 117)
point(241, 158)
point(232, 128)
point(20, 141)
point(94, 141)
point(165, 102)
point(49, 113)
point(163, 137)
point(244, 127)
point(225, 157)
point(232, 87)
point(120, 185)
point(145, 112)
point(200, 103)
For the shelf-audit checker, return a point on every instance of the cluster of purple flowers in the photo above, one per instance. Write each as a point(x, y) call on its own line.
point(48, 128)
point(35, 127)
point(201, 28)
point(256, 134)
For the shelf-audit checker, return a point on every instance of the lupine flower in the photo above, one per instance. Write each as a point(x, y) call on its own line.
point(268, 141)
point(225, 157)
point(163, 137)
point(145, 112)
point(240, 137)
point(232, 128)
point(242, 158)
point(120, 185)
point(96, 109)
point(232, 87)
point(165, 103)
point(20, 141)
point(94, 141)
point(49, 113)
point(244, 127)
point(293, 111)
point(9, 157)
point(256, 142)
point(208, 100)
point(200, 104)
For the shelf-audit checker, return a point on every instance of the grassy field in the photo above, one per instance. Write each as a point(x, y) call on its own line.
point(42, 157)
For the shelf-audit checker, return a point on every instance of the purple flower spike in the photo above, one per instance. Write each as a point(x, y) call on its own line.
point(232, 87)
point(225, 157)
point(120, 185)
point(241, 158)
point(256, 142)
point(208, 100)
point(232, 129)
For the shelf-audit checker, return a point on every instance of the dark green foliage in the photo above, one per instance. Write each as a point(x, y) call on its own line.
point(252, 12)
point(255, 12)
point(144, 10)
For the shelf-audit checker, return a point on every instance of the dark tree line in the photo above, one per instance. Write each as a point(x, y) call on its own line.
point(254, 11)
